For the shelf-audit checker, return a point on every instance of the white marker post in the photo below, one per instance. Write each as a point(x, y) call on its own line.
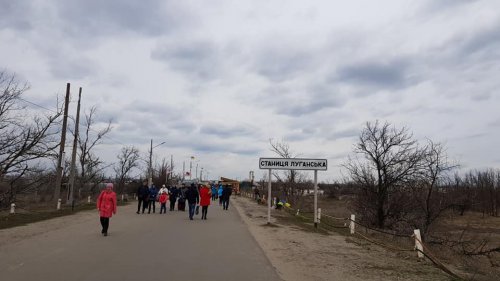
point(12, 208)
point(418, 244)
point(352, 224)
point(88, 199)
point(59, 204)
point(294, 164)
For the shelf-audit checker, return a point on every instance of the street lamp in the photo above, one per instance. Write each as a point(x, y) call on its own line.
point(150, 181)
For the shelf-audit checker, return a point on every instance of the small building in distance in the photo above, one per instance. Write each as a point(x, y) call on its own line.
point(234, 184)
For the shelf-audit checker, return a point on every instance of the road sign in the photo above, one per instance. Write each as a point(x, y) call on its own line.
point(293, 164)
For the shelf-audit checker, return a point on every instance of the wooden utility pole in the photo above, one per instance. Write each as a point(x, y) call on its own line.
point(59, 170)
point(71, 184)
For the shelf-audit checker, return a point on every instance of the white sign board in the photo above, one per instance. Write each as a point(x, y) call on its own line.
point(293, 164)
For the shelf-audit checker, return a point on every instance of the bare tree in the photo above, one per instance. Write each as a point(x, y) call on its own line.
point(24, 137)
point(291, 189)
point(127, 160)
point(433, 175)
point(90, 170)
point(391, 159)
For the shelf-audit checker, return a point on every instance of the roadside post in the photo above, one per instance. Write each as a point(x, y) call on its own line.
point(293, 164)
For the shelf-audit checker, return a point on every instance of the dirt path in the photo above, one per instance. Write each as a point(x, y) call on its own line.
point(301, 255)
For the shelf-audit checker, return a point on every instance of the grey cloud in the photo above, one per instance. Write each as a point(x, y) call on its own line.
point(311, 100)
point(282, 63)
point(70, 67)
point(117, 16)
point(347, 133)
point(224, 131)
point(439, 6)
point(483, 43)
point(207, 145)
point(16, 15)
point(199, 59)
point(384, 74)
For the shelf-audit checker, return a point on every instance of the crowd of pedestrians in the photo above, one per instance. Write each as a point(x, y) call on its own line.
point(196, 196)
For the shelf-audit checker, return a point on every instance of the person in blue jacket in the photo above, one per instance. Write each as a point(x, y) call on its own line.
point(214, 192)
point(153, 193)
point(219, 193)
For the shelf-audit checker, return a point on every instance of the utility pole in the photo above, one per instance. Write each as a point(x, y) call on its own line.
point(150, 182)
point(190, 168)
point(196, 176)
point(201, 174)
point(183, 170)
point(171, 168)
point(73, 155)
point(57, 193)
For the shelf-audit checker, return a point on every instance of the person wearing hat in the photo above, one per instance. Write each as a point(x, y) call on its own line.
point(106, 205)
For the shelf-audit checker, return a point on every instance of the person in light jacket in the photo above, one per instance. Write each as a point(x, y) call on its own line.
point(106, 205)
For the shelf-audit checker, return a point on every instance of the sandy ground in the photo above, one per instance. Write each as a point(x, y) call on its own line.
point(303, 255)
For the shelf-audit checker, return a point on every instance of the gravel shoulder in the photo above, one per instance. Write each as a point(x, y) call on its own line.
point(298, 254)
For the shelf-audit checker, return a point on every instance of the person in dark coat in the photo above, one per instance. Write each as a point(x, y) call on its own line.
point(226, 194)
point(153, 193)
point(174, 193)
point(142, 196)
point(181, 201)
point(193, 198)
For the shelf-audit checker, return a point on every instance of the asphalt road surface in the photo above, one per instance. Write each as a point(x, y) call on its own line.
point(143, 247)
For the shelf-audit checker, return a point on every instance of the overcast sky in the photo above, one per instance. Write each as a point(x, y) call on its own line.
point(218, 79)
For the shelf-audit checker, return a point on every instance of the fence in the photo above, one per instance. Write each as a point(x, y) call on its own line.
point(399, 242)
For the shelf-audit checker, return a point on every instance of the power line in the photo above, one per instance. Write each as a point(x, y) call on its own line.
point(37, 105)
point(70, 117)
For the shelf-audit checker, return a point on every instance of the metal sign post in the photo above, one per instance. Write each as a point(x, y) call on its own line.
point(316, 198)
point(269, 198)
point(293, 164)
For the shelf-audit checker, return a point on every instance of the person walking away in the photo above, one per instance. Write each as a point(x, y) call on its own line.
point(181, 202)
point(153, 194)
point(106, 205)
point(205, 194)
point(174, 192)
point(226, 194)
point(163, 202)
point(193, 198)
point(219, 192)
point(142, 196)
point(213, 190)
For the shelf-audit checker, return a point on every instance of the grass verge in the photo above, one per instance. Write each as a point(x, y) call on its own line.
point(24, 218)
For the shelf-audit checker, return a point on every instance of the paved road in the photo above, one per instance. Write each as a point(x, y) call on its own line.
point(141, 247)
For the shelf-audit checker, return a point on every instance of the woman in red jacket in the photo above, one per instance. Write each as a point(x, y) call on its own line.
point(205, 196)
point(106, 205)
